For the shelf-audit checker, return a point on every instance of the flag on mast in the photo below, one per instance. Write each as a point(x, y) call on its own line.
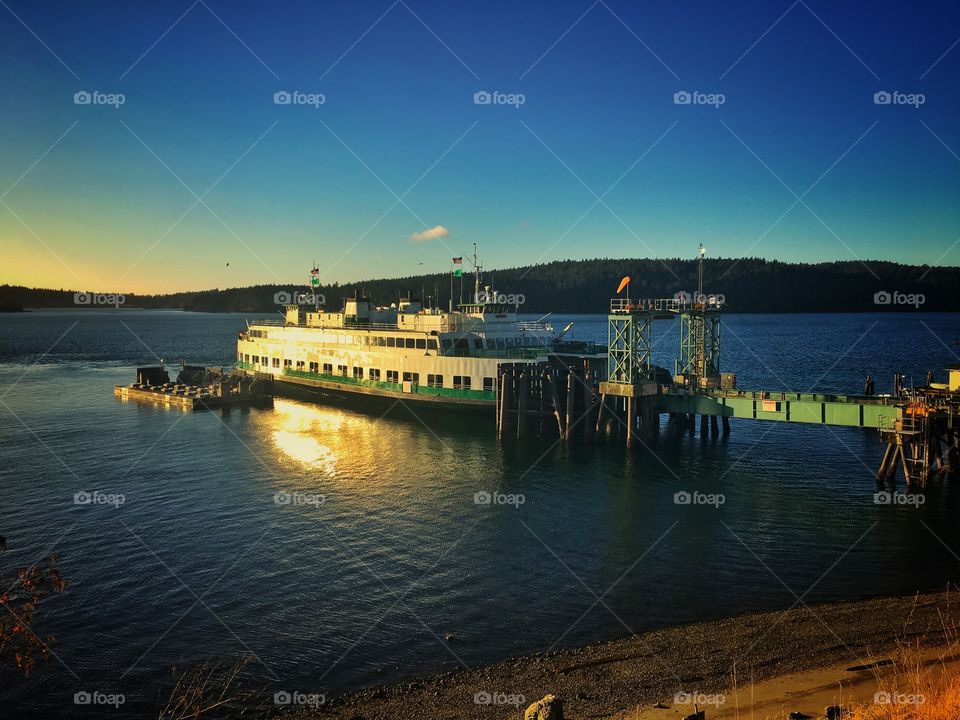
point(458, 260)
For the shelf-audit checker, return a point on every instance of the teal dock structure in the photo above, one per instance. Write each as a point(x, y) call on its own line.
point(920, 428)
point(623, 393)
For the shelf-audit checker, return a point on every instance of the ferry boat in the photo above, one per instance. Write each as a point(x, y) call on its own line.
point(404, 350)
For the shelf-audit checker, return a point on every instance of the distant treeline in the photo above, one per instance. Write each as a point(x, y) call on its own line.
point(585, 286)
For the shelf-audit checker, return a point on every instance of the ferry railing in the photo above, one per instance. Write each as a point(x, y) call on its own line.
point(534, 325)
point(416, 326)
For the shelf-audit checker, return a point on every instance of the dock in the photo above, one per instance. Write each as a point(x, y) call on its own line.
point(197, 388)
point(628, 397)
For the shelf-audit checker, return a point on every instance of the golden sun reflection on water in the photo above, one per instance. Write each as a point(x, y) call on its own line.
point(368, 454)
point(310, 435)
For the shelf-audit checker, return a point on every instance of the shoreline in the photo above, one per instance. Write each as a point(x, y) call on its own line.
point(635, 676)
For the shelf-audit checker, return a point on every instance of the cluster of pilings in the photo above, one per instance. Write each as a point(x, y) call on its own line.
point(568, 399)
point(550, 399)
point(923, 443)
point(634, 415)
point(709, 424)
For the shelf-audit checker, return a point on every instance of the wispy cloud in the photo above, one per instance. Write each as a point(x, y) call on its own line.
point(437, 231)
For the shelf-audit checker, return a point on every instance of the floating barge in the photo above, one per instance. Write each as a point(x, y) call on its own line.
point(197, 388)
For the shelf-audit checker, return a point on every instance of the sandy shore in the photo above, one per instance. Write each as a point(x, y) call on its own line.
point(641, 676)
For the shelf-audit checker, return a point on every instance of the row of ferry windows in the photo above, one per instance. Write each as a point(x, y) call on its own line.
point(425, 343)
point(460, 382)
point(492, 343)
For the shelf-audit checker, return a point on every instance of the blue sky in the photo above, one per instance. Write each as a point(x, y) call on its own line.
point(95, 196)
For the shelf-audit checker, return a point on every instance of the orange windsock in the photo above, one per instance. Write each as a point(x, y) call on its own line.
point(623, 284)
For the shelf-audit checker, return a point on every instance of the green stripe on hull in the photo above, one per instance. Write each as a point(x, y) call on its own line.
point(388, 389)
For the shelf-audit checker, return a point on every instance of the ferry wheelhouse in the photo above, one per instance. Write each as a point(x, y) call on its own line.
point(403, 350)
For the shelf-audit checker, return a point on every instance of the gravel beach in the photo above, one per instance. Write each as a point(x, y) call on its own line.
point(605, 679)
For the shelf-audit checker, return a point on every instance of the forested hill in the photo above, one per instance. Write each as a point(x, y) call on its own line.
point(585, 286)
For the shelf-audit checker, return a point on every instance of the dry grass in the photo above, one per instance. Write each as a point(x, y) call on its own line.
point(914, 689)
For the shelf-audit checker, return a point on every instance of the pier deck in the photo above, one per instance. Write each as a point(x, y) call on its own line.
point(875, 412)
point(197, 388)
point(185, 397)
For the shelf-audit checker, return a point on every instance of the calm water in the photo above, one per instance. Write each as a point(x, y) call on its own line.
point(362, 589)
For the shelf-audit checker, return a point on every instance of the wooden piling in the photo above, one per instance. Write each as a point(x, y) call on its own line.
point(882, 471)
point(555, 399)
point(600, 409)
point(571, 404)
point(504, 400)
point(589, 405)
point(523, 395)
